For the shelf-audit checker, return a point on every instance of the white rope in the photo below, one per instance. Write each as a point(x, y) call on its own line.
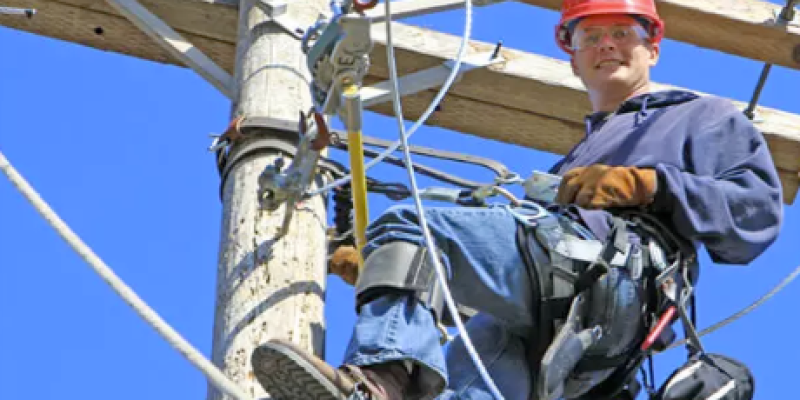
point(215, 377)
point(429, 242)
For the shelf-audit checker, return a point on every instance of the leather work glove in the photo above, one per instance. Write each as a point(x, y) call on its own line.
point(602, 186)
point(344, 263)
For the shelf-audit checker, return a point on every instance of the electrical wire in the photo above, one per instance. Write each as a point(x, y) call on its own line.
point(215, 377)
point(429, 242)
point(741, 313)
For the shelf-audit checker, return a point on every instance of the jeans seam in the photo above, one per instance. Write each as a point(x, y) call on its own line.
point(391, 328)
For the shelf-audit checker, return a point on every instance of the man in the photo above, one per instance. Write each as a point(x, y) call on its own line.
point(696, 164)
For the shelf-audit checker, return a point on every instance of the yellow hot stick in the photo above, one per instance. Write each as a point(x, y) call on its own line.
point(352, 121)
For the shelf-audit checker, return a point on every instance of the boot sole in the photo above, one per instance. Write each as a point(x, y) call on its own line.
point(288, 376)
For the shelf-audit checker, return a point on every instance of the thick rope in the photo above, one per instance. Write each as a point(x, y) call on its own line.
point(215, 377)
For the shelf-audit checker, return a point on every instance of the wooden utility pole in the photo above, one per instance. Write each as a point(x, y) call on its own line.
point(268, 286)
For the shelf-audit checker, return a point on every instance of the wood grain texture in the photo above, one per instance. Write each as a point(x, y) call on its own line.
point(268, 285)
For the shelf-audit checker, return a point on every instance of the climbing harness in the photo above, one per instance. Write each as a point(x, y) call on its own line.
point(594, 292)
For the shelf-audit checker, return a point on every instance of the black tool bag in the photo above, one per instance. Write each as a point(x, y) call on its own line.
point(709, 376)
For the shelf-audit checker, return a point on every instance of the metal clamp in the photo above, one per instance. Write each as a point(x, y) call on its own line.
point(348, 63)
point(339, 55)
point(28, 12)
point(277, 186)
point(276, 11)
point(239, 127)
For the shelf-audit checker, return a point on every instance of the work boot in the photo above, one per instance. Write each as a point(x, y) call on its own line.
point(287, 372)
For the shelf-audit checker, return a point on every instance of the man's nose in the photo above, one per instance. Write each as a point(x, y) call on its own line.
point(606, 43)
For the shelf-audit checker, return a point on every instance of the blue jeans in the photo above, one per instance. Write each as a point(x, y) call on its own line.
point(486, 272)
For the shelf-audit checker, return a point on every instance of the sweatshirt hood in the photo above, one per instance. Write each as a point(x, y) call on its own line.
point(641, 104)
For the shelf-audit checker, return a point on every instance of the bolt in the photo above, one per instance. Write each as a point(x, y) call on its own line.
point(796, 54)
point(496, 50)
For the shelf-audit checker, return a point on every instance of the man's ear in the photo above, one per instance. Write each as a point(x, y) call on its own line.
point(574, 66)
point(655, 52)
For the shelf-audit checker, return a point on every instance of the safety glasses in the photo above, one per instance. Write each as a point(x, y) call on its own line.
point(591, 37)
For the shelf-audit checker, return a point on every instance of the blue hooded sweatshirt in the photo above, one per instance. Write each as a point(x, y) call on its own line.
point(717, 184)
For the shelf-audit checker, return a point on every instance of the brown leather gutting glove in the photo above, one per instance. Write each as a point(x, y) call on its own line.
point(602, 186)
point(344, 263)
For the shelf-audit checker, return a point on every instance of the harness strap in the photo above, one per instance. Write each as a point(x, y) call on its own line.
point(533, 256)
point(589, 250)
point(617, 242)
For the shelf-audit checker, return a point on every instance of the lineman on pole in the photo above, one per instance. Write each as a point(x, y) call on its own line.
point(571, 296)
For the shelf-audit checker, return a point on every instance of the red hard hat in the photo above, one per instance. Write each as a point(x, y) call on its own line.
point(574, 9)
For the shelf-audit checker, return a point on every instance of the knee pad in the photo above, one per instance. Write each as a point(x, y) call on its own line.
point(402, 267)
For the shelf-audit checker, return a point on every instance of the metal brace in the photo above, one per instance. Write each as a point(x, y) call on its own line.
point(276, 11)
point(240, 125)
point(28, 12)
point(429, 78)
point(787, 15)
point(277, 186)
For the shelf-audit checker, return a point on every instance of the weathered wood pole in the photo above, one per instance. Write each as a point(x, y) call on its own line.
point(267, 287)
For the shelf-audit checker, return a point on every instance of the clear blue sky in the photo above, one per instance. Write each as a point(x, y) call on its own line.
point(117, 146)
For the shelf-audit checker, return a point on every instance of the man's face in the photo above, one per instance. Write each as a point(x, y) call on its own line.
point(612, 53)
